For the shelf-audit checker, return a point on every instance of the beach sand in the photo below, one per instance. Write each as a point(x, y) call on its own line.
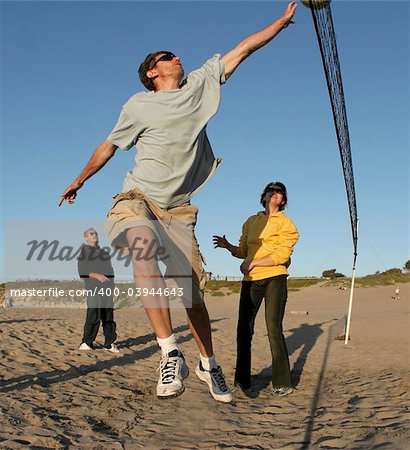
point(347, 396)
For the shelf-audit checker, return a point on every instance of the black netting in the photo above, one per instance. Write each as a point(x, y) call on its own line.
point(322, 19)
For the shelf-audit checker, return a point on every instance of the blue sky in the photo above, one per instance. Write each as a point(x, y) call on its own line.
point(67, 67)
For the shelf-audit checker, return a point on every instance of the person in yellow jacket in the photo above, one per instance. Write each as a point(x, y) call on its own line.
point(266, 244)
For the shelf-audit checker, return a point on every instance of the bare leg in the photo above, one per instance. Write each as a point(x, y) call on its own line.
point(143, 245)
point(198, 320)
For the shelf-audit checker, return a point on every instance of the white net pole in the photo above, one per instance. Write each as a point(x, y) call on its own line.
point(349, 310)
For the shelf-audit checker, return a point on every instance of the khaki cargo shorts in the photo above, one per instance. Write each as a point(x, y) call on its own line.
point(174, 229)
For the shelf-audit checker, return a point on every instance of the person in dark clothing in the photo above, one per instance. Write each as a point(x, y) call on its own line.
point(95, 268)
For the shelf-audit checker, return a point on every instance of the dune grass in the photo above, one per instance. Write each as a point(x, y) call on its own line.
point(389, 277)
point(223, 287)
point(383, 279)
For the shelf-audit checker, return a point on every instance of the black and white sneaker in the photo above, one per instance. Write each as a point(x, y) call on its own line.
point(282, 391)
point(216, 382)
point(172, 372)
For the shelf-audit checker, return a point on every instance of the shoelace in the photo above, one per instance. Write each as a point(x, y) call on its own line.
point(220, 380)
point(168, 367)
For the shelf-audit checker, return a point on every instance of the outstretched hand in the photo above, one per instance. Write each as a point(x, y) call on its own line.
point(220, 241)
point(289, 13)
point(70, 193)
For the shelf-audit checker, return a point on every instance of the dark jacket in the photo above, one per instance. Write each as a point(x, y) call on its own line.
point(94, 260)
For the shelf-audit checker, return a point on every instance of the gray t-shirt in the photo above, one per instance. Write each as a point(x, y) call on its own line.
point(174, 157)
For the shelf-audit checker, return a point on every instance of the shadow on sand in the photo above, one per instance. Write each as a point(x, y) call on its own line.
point(51, 377)
point(304, 338)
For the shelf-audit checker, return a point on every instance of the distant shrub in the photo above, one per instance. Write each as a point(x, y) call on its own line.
point(393, 271)
point(331, 273)
point(339, 275)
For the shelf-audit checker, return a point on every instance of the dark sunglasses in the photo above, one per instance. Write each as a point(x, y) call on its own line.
point(274, 190)
point(166, 57)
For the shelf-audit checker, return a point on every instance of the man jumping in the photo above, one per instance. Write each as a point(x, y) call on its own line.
point(174, 160)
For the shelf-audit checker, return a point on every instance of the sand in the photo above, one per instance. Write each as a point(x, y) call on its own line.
point(347, 396)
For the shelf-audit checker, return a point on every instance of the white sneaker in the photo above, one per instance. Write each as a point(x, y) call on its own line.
point(85, 346)
point(216, 382)
point(112, 348)
point(172, 372)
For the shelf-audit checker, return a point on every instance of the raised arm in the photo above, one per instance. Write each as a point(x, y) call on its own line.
point(239, 251)
point(257, 40)
point(99, 158)
point(222, 242)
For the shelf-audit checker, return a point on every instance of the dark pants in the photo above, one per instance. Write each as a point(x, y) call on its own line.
point(275, 292)
point(92, 323)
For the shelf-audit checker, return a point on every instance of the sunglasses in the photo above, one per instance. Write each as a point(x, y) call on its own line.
point(166, 57)
point(274, 191)
point(92, 233)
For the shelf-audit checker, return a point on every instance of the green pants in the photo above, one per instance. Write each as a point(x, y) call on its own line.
point(275, 292)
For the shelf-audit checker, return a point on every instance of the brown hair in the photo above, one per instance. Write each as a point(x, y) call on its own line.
point(145, 67)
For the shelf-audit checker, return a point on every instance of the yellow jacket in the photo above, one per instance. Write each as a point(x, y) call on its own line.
point(262, 235)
